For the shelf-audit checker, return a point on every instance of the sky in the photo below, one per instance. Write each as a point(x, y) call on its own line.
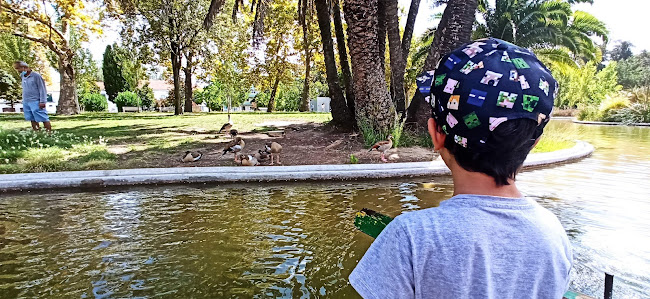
point(623, 18)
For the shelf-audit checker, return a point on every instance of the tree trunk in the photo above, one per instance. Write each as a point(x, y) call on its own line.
point(271, 106)
point(408, 29)
point(343, 57)
point(304, 103)
point(381, 32)
point(397, 63)
point(454, 29)
point(176, 69)
point(68, 103)
point(374, 106)
point(340, 112)
point(188, 82)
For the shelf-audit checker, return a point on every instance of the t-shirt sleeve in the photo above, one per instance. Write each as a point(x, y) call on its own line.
point(42, 91)
point(386, 270)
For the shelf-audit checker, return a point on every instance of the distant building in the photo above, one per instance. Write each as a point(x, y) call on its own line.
point(320, 104)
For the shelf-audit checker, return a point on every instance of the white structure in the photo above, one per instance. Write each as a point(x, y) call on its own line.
point(320, 104)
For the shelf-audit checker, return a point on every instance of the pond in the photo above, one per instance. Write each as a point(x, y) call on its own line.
point(298, 240)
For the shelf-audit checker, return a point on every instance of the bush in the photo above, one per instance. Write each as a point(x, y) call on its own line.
point(609, 108)
point(146, 96)
point(93, 102)
point(127, 99)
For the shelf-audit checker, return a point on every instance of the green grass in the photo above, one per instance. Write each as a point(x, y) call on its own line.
point(84, 142)
point(108, 141)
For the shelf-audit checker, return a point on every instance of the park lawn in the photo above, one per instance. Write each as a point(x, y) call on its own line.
point(94, 141)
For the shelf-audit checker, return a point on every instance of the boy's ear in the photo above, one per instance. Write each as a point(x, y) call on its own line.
point(437, 136)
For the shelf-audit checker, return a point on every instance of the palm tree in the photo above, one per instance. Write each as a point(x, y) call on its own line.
point(549, 27)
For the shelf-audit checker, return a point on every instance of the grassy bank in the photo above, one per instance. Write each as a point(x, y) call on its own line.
point(94, 141)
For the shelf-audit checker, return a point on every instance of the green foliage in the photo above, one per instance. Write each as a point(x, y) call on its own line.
point(86, 72)
point(354, 159)
point(622, 51)
point(372, 135)
point(8, 87)
point(146, 95)
point(213, 96)
point(543, 24)
point(14, 144)
point(93, 102)
point(12, 49)
point(609, 108)
point(585, 86)
point(114, 82)
point(634, 71)
point(639, 109)
point(127, 99)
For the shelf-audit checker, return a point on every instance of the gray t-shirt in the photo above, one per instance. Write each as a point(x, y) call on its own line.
point(470, 247)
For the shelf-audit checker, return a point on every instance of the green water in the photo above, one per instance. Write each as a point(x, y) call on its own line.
point(299, 240)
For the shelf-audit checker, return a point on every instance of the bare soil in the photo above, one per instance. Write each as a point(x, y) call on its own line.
point(302, 144)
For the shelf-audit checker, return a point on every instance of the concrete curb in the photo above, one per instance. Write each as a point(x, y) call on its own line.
point(604, 123)
point(150, 176)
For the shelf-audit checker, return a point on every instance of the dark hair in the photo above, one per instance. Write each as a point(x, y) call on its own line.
point(510, 143)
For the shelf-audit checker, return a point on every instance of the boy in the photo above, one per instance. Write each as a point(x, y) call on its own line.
point(34, 96)
point(487, 241)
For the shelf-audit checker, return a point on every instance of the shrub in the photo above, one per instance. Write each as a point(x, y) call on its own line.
point(609, 108)
point(127, 99)
point(146, 96)
point(93, 102)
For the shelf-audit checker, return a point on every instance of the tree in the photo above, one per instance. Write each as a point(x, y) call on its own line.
point(545, 24)
point(343, 57)
point(635, 71)
point(341, 116)
point(397, 62)
point(408, 29)
point(30, 20)
point(305, 18)
point(621, 51)
point(174, 29)
point(454, 29)
point(374, 107)
point(114, 81)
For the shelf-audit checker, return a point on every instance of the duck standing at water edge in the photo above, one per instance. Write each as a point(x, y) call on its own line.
point(383, 147)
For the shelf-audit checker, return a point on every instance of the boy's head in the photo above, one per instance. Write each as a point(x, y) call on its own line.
point(490, 101)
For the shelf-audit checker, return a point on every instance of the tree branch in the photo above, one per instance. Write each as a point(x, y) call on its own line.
point(43, 41)
point(25, 14)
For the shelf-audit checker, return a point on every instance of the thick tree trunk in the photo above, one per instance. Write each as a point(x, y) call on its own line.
point(455, 28)
point(340, 112)
point(381, 31)
point(271, 106)
point(408, 29)
point(188, 82)
point(397, 63)
point(343, 57)
point(304, 103)
point(176, 70)
point(374, 106)
point(68, 103)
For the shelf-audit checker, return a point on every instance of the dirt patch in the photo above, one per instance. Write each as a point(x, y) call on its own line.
point(303, 144)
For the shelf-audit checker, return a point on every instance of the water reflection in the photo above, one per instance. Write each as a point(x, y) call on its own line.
point(298, 240)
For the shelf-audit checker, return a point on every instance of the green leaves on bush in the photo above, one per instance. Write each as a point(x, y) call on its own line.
point(93, 102)
point(127, 99)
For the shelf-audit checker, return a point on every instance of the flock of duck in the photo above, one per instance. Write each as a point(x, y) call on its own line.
point(272, 150)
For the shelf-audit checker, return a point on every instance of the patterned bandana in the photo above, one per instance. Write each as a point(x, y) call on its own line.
point(480, 85)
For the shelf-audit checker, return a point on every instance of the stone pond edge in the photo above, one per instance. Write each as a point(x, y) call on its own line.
point(605, 123)
point(216, 175)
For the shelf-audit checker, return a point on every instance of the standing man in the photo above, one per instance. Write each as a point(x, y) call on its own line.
point(34, 96)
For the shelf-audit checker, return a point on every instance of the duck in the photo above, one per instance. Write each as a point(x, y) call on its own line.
point(190, 157)
point(227, 126)
point(383, 147)
point(274, 149)
point(233, 133)
point(235, 146)
point(262, 155)
point(248, 160)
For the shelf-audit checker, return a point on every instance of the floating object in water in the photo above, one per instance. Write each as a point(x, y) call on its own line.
point(370, 222)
